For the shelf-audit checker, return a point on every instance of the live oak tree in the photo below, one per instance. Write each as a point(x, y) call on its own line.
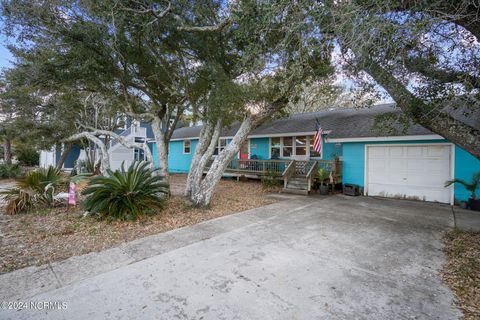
point(42, 117)
point(425, 54)
point(261, 62)
point(29, 116)
point(125, 49)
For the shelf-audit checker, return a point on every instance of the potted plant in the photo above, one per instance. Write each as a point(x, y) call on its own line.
point(473, 203)
point(322, 175)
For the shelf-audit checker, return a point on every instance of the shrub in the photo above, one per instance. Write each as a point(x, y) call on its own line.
point(322, 175)
point(28, 157)
point(270, 180)
point(125, 195)
point(36, 188)
point(10, 171)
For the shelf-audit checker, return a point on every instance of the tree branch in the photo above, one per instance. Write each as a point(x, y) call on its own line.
point(434, 119)
point(213, 28)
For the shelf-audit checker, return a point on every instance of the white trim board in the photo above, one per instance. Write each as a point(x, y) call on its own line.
point(272, 135)
point(386, 139)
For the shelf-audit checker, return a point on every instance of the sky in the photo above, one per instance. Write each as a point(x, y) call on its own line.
point(5, 56)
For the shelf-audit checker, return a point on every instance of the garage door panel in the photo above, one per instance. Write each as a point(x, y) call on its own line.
point(396, 164)
point(378, 164)
point(414, 193)
point(377, 153)
point(415, 151)
point(438, 151)
point(434, 181)
point(396, 151)
point(415, 172)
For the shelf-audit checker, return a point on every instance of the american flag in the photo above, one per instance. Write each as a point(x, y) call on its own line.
point(317, 140)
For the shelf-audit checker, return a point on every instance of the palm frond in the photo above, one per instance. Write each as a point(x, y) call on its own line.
point(126, 194)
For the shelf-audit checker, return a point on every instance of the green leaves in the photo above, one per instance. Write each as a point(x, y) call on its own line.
point(125, 195)
point(37, 188)
point(470, 186)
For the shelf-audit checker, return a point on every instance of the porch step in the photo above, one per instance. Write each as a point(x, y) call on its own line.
point(295, 191)
point(297, 182)
point(297, 185)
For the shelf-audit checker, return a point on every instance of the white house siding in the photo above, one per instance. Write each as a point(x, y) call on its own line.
point(120, 154)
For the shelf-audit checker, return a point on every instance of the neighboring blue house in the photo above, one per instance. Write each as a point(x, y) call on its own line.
point(414, 164)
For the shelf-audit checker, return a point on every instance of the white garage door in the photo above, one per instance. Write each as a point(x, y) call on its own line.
point(412, 171)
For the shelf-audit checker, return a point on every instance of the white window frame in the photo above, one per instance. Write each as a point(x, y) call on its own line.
point(219, 147)
point(294, 147)
point(189, 146)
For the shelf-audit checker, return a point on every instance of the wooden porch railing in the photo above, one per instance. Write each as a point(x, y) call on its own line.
point(258, 166)
point(285, 168)
point(288, 172)
point(311, 174)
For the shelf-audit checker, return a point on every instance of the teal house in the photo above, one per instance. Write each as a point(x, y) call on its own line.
point(412, 163)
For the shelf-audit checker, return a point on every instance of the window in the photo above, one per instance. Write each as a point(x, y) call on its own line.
point(186, 146)
point(313, 153)
point(275, 148)
point(287, 146)
point(222, 143)
point(301, 146)
point(138, 154)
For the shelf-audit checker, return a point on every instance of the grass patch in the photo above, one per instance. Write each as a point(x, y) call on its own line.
point(462, 270)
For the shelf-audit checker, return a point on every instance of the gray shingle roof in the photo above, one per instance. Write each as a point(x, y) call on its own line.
point(343, 123)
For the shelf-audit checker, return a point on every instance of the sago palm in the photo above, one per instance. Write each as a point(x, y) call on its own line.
point(126, 194)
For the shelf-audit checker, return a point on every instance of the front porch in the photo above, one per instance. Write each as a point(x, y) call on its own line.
point(298, 176)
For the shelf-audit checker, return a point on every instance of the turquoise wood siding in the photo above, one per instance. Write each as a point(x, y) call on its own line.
point(259, 147)
point(353, 161)
point(177, 160)
point(332, 150)
point(465, 166)
point(354, 164)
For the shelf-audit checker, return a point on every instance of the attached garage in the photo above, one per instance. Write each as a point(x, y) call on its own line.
point(413, 171)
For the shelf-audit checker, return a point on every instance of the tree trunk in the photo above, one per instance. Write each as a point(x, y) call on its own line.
point(434, 119)
point(207, 155)
point(162, 154)
point(66, 149)
point(203, 142)
point(121, 140)
point(202, 195)
point(7, 151)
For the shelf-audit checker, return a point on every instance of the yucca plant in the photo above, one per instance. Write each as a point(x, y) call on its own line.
point(125, 195)
point(37, 187)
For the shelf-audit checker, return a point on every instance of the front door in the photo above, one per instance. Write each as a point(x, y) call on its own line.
point(244, 151)
point(300, 149)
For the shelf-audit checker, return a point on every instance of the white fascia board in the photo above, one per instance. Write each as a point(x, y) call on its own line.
point(392, 138)
point(271, 135)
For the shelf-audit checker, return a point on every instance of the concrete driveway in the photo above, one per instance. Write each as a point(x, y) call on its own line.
point(305, 258)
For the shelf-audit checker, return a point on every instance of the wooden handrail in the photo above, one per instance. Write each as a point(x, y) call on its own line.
point(314, 166)
point(289, 170)
point(309, 175)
